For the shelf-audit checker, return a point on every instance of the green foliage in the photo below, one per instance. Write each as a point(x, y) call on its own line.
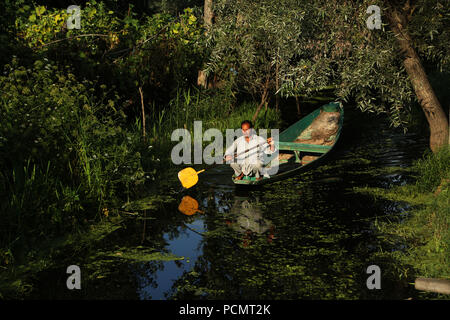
point(37, 26)
point(215, 110)
point(424, 233)
point(173, 6)
point(371, 70)
point(430, 29)
point(433, 169)
point(424, 230)
point(308, 45)
point(255, 44)
point(62, 150)
point(159, 53)
point(166, 53)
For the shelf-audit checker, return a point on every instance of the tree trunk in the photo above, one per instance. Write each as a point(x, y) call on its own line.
point(433, 285)
point(143, 112)
point(201, 79)
point(433, 110)
point(277, 86)
point(208, 16)
point(299, 113)
point(263, 100)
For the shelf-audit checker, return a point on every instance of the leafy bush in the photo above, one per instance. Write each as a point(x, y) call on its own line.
point(63, 150)
point(159, 53)
point(433, 168)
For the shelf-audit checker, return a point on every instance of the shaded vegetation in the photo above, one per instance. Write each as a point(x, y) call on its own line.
point(424, 228)
point(86, 117)
point(72, 148)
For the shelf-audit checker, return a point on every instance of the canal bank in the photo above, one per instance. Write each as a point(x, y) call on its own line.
point(309, 237)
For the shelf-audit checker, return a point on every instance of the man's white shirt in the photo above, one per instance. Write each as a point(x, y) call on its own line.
point(240, 145)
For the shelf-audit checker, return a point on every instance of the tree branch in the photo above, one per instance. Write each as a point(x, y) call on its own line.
point(73, 37)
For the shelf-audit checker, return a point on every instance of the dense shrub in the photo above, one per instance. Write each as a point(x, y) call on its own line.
point(433, 168)
point(160, 53)
point(64, 149)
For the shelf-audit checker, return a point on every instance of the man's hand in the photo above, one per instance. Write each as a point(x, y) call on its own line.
point(271, 143)
point(228, 158)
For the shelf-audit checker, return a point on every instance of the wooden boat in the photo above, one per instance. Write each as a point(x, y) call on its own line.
point(297, 157)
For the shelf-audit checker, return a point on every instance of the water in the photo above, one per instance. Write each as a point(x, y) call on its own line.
point(309, 237)
point(187, 244)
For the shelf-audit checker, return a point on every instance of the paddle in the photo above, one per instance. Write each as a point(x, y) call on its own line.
point(189, 176)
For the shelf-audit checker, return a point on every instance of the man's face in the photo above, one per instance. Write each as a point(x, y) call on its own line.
point(246, 130)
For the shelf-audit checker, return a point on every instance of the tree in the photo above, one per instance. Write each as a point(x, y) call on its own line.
point(208, 16)
point(399, 19)
point(294, 47)
point(257, 44)
point(393, 55)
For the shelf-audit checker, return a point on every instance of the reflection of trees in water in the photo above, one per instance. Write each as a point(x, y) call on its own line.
point(146, 277)
point(169, 222)
point(319, 251)
point(322, 248)
point(312, 257)
point(307, 259)
point(120, 268)
point(237, 231)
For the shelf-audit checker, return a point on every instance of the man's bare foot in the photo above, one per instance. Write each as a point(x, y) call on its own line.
point(239, 177)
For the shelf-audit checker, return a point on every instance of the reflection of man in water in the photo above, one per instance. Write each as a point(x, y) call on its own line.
point(249, 219)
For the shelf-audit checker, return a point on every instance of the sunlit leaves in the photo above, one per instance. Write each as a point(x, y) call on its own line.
point(260, 40)
point(40, 10)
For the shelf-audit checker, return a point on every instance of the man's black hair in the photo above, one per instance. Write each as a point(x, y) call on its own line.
point(248, 122)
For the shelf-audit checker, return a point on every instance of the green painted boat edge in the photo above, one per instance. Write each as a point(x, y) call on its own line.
point(294, 146)
point(301, 168)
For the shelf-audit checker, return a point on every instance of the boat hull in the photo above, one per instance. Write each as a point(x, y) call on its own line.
point(286, 143)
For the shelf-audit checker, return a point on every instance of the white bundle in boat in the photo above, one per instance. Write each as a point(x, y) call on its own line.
point(322, 130)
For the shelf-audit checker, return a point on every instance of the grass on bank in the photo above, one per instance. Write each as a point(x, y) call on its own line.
point(425, 231)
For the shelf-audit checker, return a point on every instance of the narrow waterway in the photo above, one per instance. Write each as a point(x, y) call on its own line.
point(309, 237)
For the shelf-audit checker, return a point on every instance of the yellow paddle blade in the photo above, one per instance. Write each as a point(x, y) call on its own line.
point(188, 206)
point(188, 177)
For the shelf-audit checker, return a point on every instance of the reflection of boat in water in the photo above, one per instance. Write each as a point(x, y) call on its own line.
point(248, 216)
point(244, 215)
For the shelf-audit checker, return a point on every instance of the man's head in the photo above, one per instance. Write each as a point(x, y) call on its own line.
point(247, 128)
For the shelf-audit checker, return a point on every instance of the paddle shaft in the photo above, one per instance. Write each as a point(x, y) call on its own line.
point(237, 155)
point(252, 148)
point(188, 176)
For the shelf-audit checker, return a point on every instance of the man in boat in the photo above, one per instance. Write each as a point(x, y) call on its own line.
point(249, 162)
